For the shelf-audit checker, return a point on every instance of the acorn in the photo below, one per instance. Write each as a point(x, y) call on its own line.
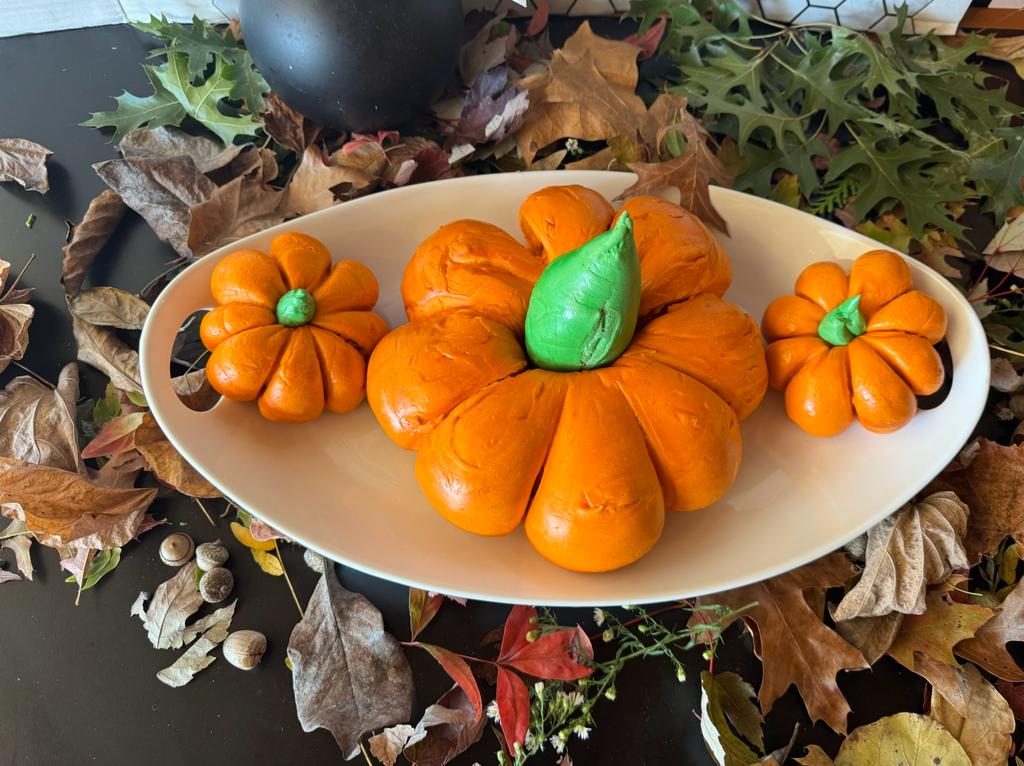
point(216, 585)
point(210, 555)
point(176, 549)
point(244, 648)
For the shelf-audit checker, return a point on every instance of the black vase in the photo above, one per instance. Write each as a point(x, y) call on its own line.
point(357, 65)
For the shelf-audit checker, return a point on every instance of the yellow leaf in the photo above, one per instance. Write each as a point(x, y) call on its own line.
point(268, 562)
point(977, 715)
point(244, 536)
point(904, 739)
point(815, 756)
point(944, 624)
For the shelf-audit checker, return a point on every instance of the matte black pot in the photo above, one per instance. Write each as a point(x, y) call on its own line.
point(358, 65)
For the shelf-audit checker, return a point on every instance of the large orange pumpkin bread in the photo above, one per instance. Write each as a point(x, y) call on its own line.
point(591, 459)
point(290, 330)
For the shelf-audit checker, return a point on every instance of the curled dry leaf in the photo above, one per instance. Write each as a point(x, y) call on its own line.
point(348, 674)
point(76, 561)
point(389, 744)
point(795, 647)
point(976, 715)
point(21, 547)
point(1006, 250)
point(919, 545)
point(162, 191)
point(310, 186)
point(872, 635)
point(165, 142)
point(1009, 49)
point(423, 607)
point(109, 307)
point(489, 48)
point(1004, 377)
point(174, 601)
point(62, 508)
point(37, 424)
point(15, 319)
point(904, 739)
point(447, 729)
point(286, 126)
point(729, 719)
point(493, 110)
point(988, 647)
point(89, 237)
point(24, 163)
point(990, 483)
point(1014, 695)
point(116, 437)
point(197, 657)
point(167, 463)
point(102, 349)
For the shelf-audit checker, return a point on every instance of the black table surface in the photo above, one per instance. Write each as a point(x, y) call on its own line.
point(78, 685)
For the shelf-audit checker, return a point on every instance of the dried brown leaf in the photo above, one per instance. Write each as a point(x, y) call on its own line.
point(101, 348)
point(1008, 49)
point(21, 547)
point(942, 626)
point(6, 576)
point(89, 237)
point(988, 647)
point(162, 191)
point(24, 163)
point(37, 424)
point(109, 307)
point(197, 657)
point(389, 744)
point(286, 126)
point(195, 391)
point(173, 603)
point(872, 635)
point(489, 48)
point(795, 646)
point(976, 715)
point(242, 206)
point(15, 318)
point(992, 485)
point(62, 508)
point(691, 173)
point(447, 729)
point(904, 739)
point(310, 187)
point(166, 142)
point(815, 756)
point(919, 545)
point(348, 674)
point(168, 464)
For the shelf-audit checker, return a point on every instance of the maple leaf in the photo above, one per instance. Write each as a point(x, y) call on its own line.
point(920, 545)
point(37, 423)
point(795, 647)
point(992, 485)
point(934, 633)
point(691, 173)
point(988, 647)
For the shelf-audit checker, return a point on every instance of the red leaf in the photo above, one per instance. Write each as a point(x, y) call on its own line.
point(539, 20)
point(1014, 694)
point(116, 436)
point(649, 41)
point(521, 620)
point(513, 707)
point(581, 647)
point(423, 607)
point(548, 657)
point(458, 669)
point(358, 139)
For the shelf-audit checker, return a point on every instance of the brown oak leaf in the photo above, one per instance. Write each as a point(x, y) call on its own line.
point(310, 186)
point(167, 463)
point(24, 163)
point(89, 237)
point(942, 626)
point(37, 423)
point(286, 126)
point(991, 482)
point(987, 648)
point(795, 647)
point(588, 92)
point(691, 173)
point(917, 546)
point(63, 509)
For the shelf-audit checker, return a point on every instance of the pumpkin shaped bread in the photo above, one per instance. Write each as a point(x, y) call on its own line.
point(291, 331)
point(592, 457)
point(858, 346)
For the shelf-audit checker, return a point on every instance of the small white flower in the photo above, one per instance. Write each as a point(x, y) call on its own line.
point(610, 694)
point(575, 699)
point(706, 654)
point(599, 616)
point(539, 688)
point(492, 711)
point(608, 636)
point(680, 674)
point(581, 731)
point(572, 145)
point(530, 742)
point(558, 744)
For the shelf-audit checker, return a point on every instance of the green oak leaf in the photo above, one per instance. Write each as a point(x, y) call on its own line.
point(156, 110)
point(797, 158)
point(200, 42)
point(997, 174)
point(201, 101)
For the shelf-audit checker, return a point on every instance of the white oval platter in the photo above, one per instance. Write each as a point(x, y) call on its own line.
point(339, 486)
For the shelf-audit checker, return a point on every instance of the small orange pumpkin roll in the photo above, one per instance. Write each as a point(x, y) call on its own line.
point(692, 436)
point(787, 355)
point(419, 372)
point(713, 341)
point(478, 468)
point(599, 505)
point(471, 265)
point(879, 277)
point(558, 219)
point(823, 283)
point(913, 357)
point(913, 312)
point(882, 401)
point(291, 330)
point(790, 315)
point(679, 257)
